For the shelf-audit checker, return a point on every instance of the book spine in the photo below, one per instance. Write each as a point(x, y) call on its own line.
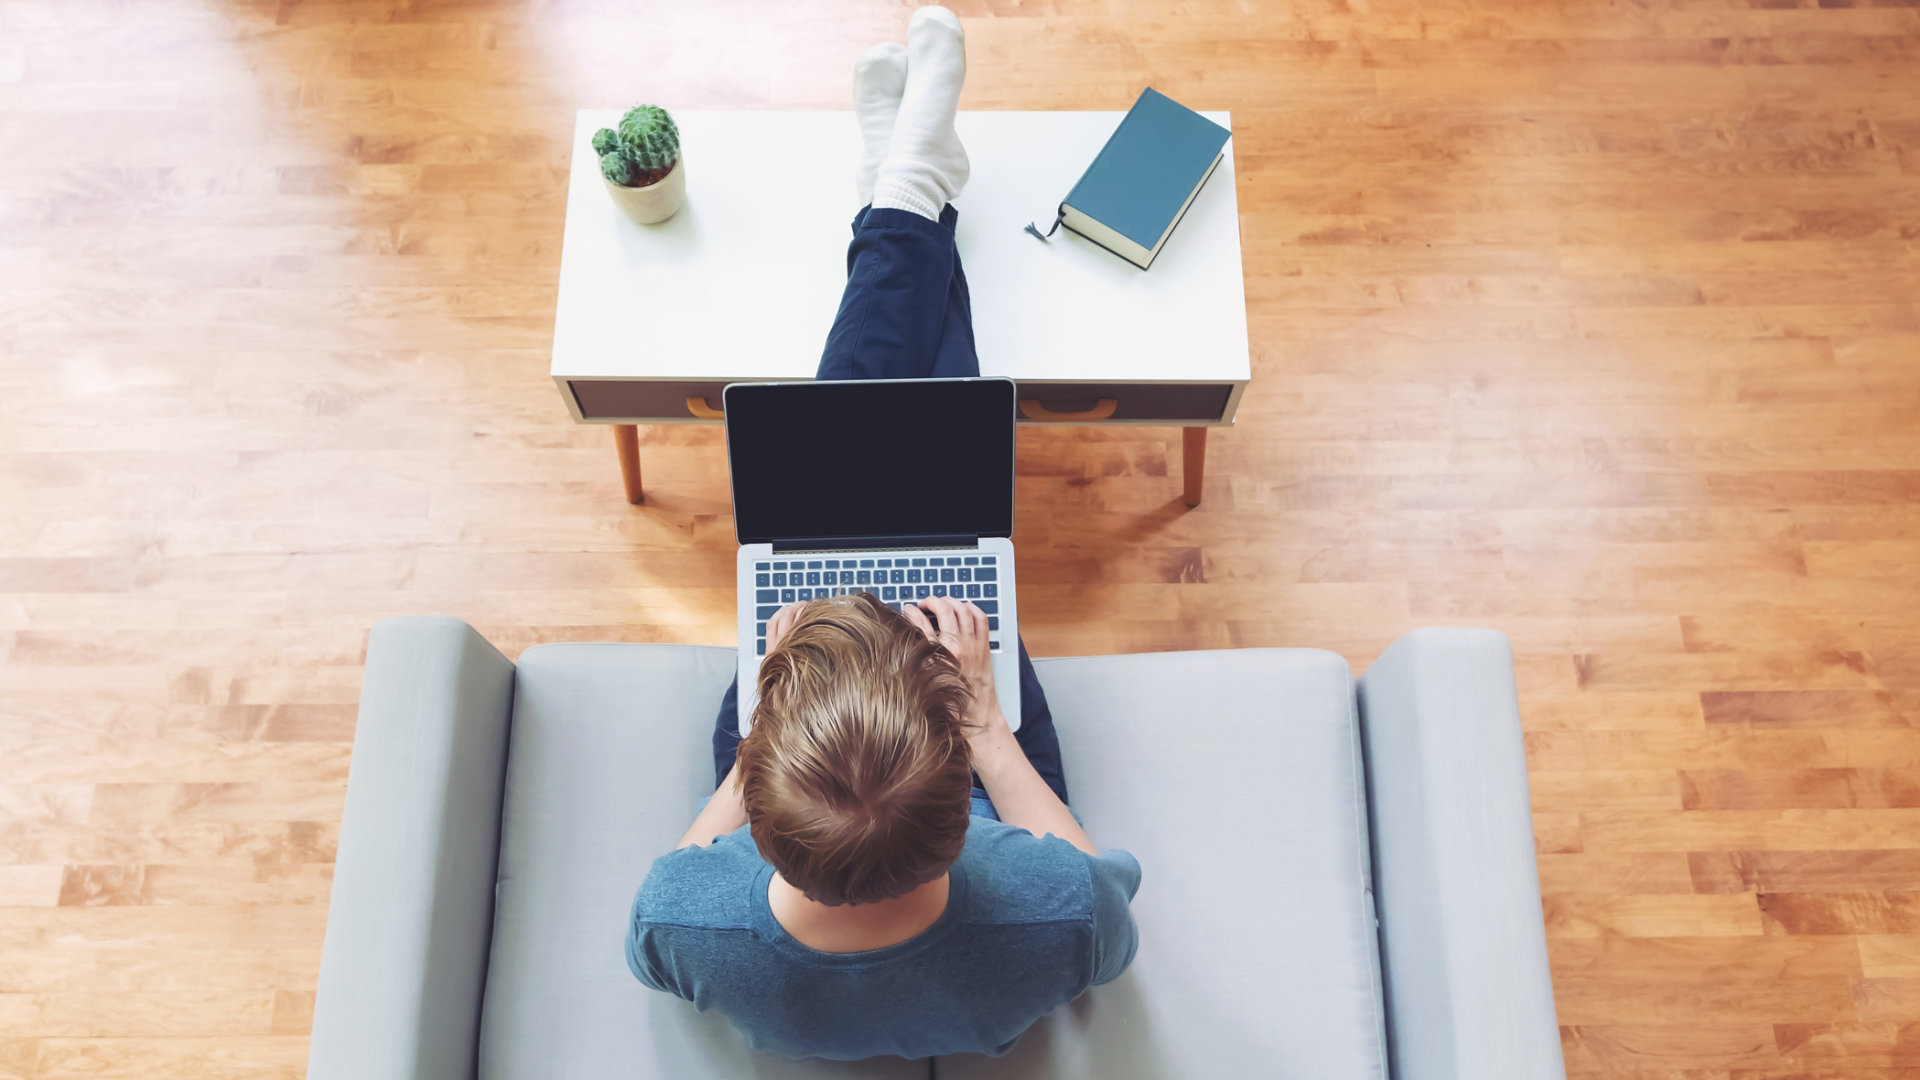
point(1067, 218)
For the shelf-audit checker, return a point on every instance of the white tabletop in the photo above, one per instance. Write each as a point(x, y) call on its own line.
point(744, 281)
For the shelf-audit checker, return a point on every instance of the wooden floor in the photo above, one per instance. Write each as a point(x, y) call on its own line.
point(1594, 322)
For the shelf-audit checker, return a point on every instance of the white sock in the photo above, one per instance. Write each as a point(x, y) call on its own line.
point(879, 76)
point(925, 166)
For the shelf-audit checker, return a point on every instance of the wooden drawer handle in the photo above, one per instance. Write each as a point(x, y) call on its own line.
point(1101, 410)
point(698, 406)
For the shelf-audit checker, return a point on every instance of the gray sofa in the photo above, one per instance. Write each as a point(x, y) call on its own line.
point(1339, 879)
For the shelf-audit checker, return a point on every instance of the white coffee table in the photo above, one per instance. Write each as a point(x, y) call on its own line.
point(742, 284)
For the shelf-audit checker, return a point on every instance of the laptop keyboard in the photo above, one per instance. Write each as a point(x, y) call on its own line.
point(893, 579)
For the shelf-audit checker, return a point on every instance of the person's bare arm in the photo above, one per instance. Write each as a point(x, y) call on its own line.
point(722, 814)
point(1020, 796)
point(726, 811)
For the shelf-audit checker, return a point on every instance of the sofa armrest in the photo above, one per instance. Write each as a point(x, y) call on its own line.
point(404, 967)
point(1462, 940)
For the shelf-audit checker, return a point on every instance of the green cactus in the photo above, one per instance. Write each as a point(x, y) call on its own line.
point(617, 169)
point(641, 150)
point(649, 139)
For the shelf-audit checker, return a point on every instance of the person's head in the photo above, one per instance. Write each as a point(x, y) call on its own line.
point(855, 773)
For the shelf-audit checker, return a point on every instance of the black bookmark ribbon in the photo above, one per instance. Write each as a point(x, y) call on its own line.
point(1034, 230)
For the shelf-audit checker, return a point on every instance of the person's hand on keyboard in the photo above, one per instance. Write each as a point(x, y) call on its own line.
point(962, 629)
point(781, 622)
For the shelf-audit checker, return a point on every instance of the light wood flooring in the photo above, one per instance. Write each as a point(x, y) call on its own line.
point(1593, 321)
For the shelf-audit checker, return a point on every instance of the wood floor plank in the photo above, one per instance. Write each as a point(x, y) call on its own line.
point(17, 1057)
point(1648, 790)
point(1890, 956)
point(1684, 961)
point(1764, 751)
point(1635, 1002)
point(68, 969)
point(240, 1057)
point(1593, 323)
point(29, 886)
point(1805, 871)
point(1814, 788)
point(1887, 1045)
point(1651, 915)
point(1842, 913)
point(1889, 1001)
point(224, 882)
point(1749, 830)
point(1804, 708)
point(1633, 873)
point(119, 1014)
point(151, 842)
point(1597, 1047)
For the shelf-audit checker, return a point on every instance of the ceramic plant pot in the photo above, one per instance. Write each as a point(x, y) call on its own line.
point(657, 201)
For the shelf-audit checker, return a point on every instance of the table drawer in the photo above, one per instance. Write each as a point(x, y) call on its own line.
point(631, 401)
point(1139, 403)
point(628, 400)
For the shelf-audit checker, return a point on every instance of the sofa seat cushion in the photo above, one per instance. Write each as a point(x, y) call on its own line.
point(608, 758)
point(1236, 779)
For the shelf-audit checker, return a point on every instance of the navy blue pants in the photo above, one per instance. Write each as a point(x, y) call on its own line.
point(906, 315)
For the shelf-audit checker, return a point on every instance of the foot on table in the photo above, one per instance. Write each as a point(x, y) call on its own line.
point(925, 166)
point(879, 77)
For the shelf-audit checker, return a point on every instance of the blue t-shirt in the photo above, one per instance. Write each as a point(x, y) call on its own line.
point(1030, 923)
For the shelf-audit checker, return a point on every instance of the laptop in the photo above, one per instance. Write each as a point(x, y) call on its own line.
point(898, 488)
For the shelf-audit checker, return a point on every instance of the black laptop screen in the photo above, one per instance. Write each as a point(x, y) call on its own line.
point(922, 457)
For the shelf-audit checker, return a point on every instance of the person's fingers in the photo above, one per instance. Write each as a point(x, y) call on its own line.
point(949, 614)
point(971, 623)
point(916, 618)
point(960, 621)
point(788, 617)
point(935, 607)
point(777, 625)
point(976, 620)
point(932, 614)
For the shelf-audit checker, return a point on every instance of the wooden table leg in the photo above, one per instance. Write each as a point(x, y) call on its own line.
point(1193, 462)
point(626, 440)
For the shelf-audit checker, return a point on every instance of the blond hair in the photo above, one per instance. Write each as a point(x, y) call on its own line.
point(855, 773)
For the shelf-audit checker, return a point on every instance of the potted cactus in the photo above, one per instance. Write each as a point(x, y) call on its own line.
point(640, 161)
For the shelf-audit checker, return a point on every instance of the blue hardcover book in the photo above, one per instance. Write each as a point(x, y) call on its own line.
point(1143, 180)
